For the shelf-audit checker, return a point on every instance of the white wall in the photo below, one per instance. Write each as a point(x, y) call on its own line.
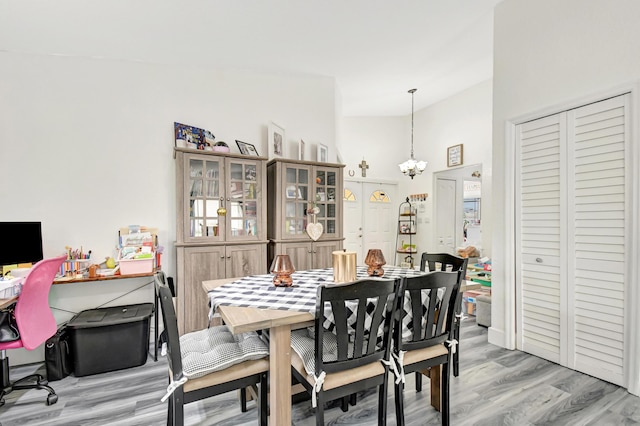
point(385, 142)
point(87, 145)
point(381, 141)
point(565, 51)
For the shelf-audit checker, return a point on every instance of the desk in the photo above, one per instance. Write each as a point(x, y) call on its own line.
point(294, 311)
point(66, 280)
point(6, 302)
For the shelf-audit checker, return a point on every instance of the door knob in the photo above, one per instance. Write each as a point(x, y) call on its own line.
point(538, 259)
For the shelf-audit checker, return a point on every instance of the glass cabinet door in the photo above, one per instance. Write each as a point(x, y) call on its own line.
point(326, 191)
point(243, 209)
point(204, 192)
point(296, 200)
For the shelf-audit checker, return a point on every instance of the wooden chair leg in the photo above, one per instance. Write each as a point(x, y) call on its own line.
point(243, 400)
point(170, 420)
point(262, 401)
point(382, 402)
point(344, 403)
point(444, 391)
point(418, 381)
point(399, 400)
point(320, 409)
point(456, 356)
point(177, 407)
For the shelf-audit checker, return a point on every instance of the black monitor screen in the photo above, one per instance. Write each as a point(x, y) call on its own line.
point(21, 242)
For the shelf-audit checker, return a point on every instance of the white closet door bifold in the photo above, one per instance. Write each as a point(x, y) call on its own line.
point(538, 206)
point(597, 217)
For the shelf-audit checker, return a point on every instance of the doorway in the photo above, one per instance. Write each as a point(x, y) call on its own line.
point(458, 191)
point(370, 218)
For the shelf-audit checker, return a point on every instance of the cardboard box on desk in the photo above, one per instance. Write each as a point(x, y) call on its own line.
point(126, 235)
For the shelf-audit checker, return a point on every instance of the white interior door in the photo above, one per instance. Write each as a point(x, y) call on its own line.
point(370, 218)
point(539, 240)
point(353, 218)
point(599, 237)
point(380, 219)
point(573, 237)
point(446, 217)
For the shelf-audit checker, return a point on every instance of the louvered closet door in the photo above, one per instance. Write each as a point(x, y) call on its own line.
point(573, 215)
point(538, 206)
point(597, 215)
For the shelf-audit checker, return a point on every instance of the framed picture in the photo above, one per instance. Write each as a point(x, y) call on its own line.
point(454, 155)
point(247, 148)
point(277, 141)
point(301, 149)
point(323, 153)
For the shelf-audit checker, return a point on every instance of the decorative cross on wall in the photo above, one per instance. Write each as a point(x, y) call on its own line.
point(364, 166)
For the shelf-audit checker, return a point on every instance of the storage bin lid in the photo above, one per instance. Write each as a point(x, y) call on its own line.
point(113, 315)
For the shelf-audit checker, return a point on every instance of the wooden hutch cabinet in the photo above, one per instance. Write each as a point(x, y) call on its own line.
point(294, 187)
point(221, 225)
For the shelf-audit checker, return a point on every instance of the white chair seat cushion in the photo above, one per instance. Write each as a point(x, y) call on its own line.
point(302, 342)
point(303, 360)
point(216, 348)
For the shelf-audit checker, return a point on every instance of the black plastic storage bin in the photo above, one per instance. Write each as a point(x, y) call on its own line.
point(108, 339)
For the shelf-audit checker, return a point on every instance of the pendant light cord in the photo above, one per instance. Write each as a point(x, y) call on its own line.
point(412, 91)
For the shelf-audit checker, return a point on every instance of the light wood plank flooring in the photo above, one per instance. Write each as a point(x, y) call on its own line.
point(495, 387)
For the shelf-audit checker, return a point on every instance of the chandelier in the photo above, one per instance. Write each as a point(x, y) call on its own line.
point(412, 167)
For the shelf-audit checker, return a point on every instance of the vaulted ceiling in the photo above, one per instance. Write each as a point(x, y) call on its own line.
point(376, 50)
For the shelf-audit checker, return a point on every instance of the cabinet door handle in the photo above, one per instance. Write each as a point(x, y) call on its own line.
point(309, 251)
point(222, 257)
point(539, 259)
point(229, 257)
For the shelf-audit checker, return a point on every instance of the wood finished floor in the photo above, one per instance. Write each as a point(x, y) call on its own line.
point(495, 387)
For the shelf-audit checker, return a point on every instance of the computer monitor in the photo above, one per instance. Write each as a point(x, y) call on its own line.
point(21, 242)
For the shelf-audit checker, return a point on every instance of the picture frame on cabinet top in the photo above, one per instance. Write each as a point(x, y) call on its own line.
point(301, 149)
point(247, 148)
point(277, 141)
point(323, 153)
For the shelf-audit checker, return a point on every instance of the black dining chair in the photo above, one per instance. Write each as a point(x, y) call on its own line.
point(423, 335)
point(209, 362)
point(348, 349)
point(446, 262)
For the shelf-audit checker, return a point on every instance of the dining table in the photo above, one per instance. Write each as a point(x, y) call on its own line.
point(253, 303)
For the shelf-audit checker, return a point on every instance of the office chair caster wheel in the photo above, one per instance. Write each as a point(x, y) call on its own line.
point(52, 399)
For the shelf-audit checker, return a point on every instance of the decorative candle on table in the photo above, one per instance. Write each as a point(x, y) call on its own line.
point(344, 266)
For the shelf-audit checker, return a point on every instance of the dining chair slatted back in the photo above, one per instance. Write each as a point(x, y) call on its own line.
point(446, 262)
point(423, 334)
point(203, 384)
point(349, 348)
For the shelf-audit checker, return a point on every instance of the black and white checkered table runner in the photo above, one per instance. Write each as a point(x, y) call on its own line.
point(258, 291)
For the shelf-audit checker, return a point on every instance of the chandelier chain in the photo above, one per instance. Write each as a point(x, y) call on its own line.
point(412, 91)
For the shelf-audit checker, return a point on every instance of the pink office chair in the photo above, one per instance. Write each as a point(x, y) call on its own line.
point(35, 324)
